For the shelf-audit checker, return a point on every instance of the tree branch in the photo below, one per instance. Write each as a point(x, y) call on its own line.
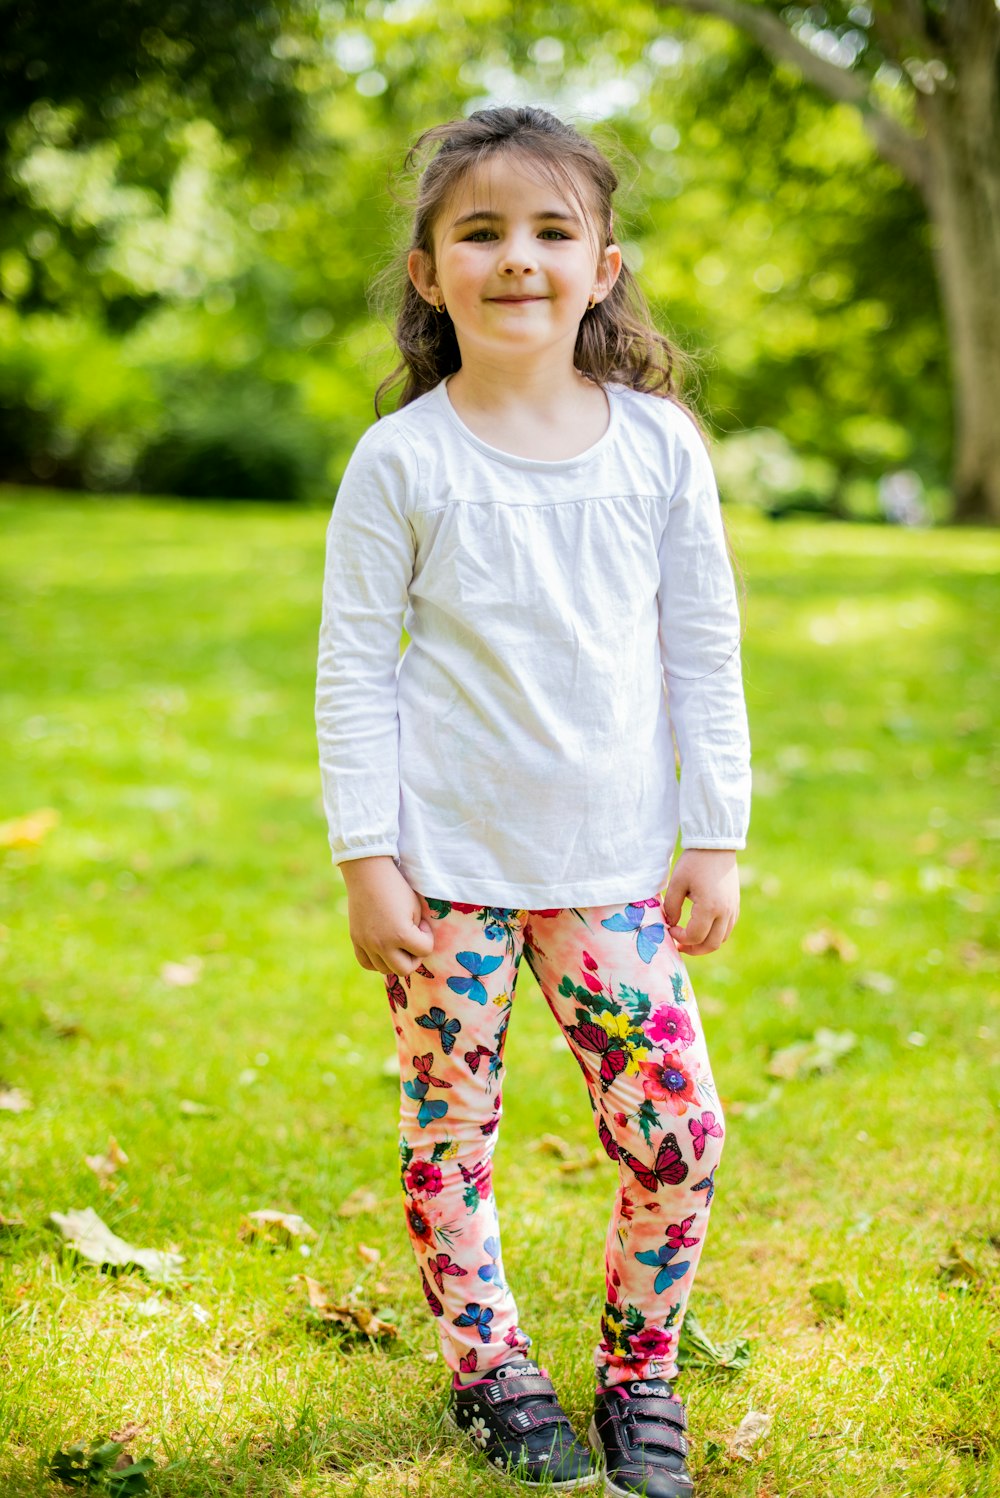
point(899, 146)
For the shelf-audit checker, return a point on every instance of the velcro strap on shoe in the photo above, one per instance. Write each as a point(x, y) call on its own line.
point(504, 1391)
point(533, 1418)
point(670, 1410)
point(659, 1435)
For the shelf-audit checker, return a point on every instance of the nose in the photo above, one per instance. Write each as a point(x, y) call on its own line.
point(518, 255)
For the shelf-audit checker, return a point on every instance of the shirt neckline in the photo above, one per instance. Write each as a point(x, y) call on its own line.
point(515, 460)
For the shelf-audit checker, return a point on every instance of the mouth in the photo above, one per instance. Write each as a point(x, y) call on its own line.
point(509, 300)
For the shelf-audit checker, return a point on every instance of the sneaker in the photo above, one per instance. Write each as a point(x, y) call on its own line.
point(514, 1418)
point(637, 1429)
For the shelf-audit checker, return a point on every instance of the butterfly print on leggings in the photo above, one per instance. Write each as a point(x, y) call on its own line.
point(668, 1169)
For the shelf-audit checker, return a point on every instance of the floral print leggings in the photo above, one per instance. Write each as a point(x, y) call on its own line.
point(615, 982)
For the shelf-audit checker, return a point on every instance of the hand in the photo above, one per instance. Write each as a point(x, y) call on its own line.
point(388, 926)
point(709, 878)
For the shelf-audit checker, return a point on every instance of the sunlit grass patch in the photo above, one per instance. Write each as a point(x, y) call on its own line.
point(176, 974)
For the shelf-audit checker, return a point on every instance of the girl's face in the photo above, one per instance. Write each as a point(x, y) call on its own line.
point(515, 264)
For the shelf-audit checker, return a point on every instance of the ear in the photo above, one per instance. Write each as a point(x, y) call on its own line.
point(608, 271)
point(421, 272)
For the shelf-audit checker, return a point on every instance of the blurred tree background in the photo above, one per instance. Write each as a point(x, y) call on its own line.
point(196, 197)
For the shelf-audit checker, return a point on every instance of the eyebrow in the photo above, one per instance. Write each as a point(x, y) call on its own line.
point(488, 213)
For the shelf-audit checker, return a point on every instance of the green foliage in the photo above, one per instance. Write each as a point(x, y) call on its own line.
point(94, 1465)
point(198, 201)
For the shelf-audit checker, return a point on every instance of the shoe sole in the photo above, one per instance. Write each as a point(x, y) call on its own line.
point(588, 1480)
point(610, 1486)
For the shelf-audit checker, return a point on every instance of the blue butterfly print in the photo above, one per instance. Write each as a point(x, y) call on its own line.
point(491, 1271)
point(667, 1272)
point(477, 1316)
point(708, 1185)
point(448, 1028)
point(428, 1110)
point(479, 966)
point(648, 938)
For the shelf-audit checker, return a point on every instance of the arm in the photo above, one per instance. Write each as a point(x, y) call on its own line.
point(700, 653)
point(369, 564)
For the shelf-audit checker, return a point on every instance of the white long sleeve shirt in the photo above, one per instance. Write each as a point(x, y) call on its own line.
point(562, 617)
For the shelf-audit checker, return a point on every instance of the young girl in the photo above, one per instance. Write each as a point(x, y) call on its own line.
point(541, 515)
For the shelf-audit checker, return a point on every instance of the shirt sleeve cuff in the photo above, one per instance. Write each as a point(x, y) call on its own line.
point(371, 850)
point(693, 841)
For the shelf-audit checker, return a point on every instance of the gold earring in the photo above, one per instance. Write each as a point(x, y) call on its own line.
point(438, 309)
point(590, 304)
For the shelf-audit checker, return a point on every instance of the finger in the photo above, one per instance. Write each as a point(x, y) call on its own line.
point(673, 901)
point(363, 959)
point(403, 962)
point(712, 941)
point(420, 940)
point(700, 923)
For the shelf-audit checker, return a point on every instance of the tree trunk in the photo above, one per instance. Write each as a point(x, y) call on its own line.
point(951, 55)
point(962, 192)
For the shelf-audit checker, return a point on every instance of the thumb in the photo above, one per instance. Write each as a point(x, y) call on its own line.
point(673, 900)
point(421, 941)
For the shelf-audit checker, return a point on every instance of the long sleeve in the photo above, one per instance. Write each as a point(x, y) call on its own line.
point(700, 653)
point(369, 564)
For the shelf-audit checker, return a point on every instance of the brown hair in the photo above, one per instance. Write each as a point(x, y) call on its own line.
point(617, 342)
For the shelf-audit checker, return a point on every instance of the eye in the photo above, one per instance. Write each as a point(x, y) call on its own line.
point(476, 234)
point(557, 232)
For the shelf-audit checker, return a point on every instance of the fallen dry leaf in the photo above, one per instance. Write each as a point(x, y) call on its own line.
point(370, 1255)
point(280, 1229)
point(820, 1054)
point(350, 1314)
point(94, 1241)
point(361, 1200)
point(65, 1026)
point(107, 1165)
point(30, 830)
point(195, 1110)
point(751, 1429)
point(127, 1433)
point(182, 974)
point(13, 1100)
point(552, 1144)
point(958, 1268)
point(10, 1224)
point(826, 939)
point(586, 1162)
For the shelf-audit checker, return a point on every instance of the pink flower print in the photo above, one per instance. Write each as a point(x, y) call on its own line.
point(621, 1120)
point(627, 1208)
point(670, 1026)
point(651, 1342)
point(628, 1366)
point(424, 1176)
point(589, 962)
point(669, 1082)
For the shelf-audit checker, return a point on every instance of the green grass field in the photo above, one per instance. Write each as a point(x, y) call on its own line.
point(158, 694)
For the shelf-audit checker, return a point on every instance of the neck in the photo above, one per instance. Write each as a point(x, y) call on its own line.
point(483, 385)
